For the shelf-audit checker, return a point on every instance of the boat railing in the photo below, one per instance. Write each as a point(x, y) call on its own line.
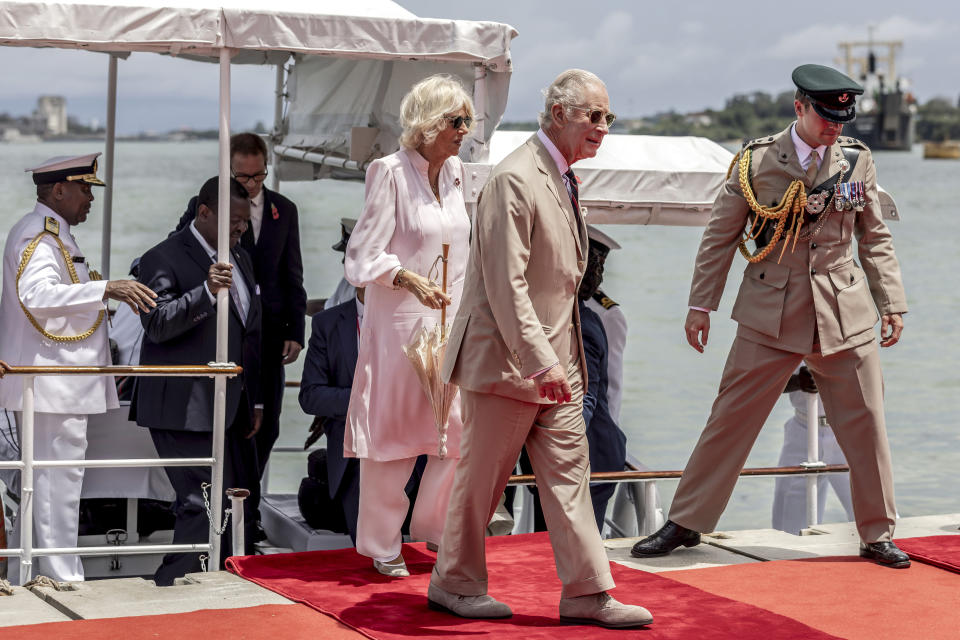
point(26, 464)
point(638, 485)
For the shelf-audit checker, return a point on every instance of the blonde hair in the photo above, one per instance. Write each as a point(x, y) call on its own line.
point(567, 90)
point(423, 109)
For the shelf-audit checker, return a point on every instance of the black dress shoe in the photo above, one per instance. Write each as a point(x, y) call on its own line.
point(886, 554)
point(669, 537)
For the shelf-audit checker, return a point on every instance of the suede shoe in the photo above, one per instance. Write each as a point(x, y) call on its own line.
point(466, 606)
point(886, 554)
point(669, 537)
point(603, 610)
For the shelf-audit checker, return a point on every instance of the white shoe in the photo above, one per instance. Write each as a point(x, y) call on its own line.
point(393, 569)
point(466, 606)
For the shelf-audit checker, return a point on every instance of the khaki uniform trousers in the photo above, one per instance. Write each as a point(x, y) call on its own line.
point(851, 387)
point(495, 429)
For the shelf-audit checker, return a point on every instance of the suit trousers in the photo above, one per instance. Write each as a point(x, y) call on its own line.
point(191, 524)
point(851, 387)
point(272, 379)
point(56, 494)
point(384, 504)
point(495, 429)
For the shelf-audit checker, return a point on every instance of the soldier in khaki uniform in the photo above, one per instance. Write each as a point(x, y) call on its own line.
point(801, 196)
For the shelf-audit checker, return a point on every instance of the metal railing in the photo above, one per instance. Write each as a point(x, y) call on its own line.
point(27, 463)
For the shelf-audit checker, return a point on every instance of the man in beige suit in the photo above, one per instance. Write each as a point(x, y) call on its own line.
point(515, 351)
point(803, 299)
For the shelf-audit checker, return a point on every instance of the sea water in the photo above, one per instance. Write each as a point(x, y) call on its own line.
point(668, 387)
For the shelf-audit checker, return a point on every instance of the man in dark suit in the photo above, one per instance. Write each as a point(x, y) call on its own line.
point(182, 330)
point(273, 241)
point(325, 392)
point(608, 444)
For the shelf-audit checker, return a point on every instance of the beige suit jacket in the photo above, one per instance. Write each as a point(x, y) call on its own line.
point(817, 285)
point(528, 252)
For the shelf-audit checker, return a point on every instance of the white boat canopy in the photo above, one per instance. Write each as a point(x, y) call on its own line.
point(634, 179)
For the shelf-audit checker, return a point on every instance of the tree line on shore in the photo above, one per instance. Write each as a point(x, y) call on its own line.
point(758, 114)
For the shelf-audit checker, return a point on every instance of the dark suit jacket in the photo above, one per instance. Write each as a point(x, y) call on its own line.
point(183, 329)
point(608, 444)
point(277, 265)
point(327, 377)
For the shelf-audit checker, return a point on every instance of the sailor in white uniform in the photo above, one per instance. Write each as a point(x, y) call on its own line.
point(52, 312)
point(614, 324)
point(790, 494)
point(344, 291)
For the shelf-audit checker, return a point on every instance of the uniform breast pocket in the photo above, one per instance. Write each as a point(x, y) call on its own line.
point(854, 303)
point(759, 304)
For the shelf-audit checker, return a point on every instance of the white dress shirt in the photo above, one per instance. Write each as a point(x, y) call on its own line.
point(243, 293)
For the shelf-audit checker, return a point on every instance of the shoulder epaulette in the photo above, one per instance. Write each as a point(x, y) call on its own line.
point(846, 141)
point(758, 142)
point(604, 301)
point(51, 225)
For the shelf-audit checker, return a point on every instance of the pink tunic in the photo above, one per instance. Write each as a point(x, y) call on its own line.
point(402, 224)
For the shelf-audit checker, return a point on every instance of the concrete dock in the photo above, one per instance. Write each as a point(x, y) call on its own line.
point(221, 590)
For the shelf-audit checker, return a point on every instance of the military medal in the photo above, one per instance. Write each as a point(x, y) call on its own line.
point(817, 202)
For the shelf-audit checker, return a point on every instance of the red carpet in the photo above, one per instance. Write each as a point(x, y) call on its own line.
point(940, 551)
point(522, 574)
point(848, 597)
point(289, 622)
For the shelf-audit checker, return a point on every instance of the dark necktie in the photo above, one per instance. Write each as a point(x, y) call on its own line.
point(574, 194)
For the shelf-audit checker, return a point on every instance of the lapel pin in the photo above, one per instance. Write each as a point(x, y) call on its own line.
point(274, 212)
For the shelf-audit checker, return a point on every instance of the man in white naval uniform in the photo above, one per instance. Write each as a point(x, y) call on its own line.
point(52, 312)
point(790, 494)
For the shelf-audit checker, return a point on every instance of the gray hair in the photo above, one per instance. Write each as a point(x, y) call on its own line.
point(423, 109)
point(567, 90)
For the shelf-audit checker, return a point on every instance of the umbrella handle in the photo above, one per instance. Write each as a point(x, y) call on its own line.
point(443, 311)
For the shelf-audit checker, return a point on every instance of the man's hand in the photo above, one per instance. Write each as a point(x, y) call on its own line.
point(219, 277)
point(257, 421)
point(697, 327)
point(4, 367)
point(291, 350)
point(552, 384)
point(138, 296)
point(891, 326)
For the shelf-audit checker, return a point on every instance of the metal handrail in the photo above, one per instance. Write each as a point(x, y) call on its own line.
point(617, 477)
point(27, 463)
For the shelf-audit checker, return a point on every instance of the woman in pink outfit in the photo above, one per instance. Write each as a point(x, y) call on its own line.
point(413, 204)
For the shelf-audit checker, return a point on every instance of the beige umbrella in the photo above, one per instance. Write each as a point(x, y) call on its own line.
point(426, 355)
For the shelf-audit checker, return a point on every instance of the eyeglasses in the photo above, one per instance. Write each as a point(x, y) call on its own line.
point(596, 115)
point(249, 177)
point(459, 121)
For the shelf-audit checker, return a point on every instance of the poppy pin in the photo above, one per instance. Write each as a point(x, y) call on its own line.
point(456, 183)
point(274, 212)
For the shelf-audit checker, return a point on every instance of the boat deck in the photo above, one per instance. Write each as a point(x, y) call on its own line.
point(124, 597)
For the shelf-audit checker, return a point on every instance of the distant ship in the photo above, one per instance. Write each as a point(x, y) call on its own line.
point(886, 114)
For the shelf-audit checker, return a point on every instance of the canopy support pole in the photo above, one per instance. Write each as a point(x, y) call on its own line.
point(277, 125)
point(480, 110)
point(108, 167)
point(813, 458)
point(223, 317)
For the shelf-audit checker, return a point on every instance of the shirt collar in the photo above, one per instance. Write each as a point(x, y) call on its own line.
point(258, 201)
point(803, 149)
point(418, 161)
point(203, 241)
point(554, 152)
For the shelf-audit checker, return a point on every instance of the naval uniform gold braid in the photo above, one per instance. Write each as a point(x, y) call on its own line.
point(68, 259)
point(793, 202)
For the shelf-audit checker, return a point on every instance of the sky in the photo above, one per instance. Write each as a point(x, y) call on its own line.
point(654, 56)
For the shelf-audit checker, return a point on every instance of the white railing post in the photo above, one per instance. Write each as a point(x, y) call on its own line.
point(26, 482)
point(237, 496)
point(813, 457)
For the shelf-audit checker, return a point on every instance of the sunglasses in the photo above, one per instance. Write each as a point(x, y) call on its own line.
point(596, 115)
point(459, 121)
